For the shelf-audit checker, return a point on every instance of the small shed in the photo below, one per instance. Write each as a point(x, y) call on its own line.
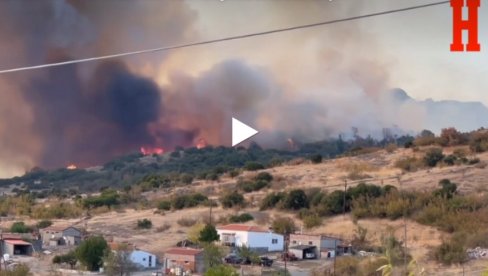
point(304, 251)
point(17, 247)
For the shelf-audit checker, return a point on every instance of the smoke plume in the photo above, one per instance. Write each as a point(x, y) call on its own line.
point(306, 85)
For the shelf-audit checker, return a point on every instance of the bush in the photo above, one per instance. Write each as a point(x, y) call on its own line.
point(188, 201)
point(232, 199)
point(271, 200)
point(316, 158)
point(433, 156)
point(164, 205)
point(264, 176)
point(311, 221)
point(68, 258)
point(253, 166)
point(44, 224)
point(284, 226)
point(186, 222)
point(295, 200)
point(451, 252)
point(20, 227)
point(245, 217)
point(408, 164)
point(251, 186)
point(144, 224)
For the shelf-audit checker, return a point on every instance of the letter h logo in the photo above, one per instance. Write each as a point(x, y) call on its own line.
point(471, 25)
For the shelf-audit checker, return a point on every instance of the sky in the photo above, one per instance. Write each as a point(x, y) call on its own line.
point(305, 84)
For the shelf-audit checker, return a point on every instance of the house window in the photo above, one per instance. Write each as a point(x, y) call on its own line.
point(143, 259)
point(274, 241)
point(310, 243)
point(294, 242)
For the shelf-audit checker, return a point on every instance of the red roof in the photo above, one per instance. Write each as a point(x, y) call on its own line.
point(184, 251)
point(242, 227)
point(17, 242)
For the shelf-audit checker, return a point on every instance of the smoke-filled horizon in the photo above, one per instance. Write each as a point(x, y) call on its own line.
point(306, 85)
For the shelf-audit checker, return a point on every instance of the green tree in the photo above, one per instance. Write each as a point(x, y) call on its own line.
point(221, 270)
point(212, 255)
point(433, 156)
point(284, 226)
point(118, 262)
point(295, 200)
point(44, 224)
point(20, 227)
point(232, 199)
point(144, 224)
point(68, 258)
point(91, 251)
point(208, 234)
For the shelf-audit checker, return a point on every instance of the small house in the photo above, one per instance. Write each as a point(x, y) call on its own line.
point(181, 260)
point(57, 236)
point(19, 244)
point(143, 259)
point(320, 245)
point(254, 237)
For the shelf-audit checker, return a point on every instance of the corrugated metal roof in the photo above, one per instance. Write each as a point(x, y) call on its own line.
point(17, 242)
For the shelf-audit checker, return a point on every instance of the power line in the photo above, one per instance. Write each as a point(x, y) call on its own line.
point(33, 67)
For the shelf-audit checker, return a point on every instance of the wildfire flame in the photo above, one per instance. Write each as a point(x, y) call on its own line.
point(201, 143)
point(151, 150)
point(72, 167)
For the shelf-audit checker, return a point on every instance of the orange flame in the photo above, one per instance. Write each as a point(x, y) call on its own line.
point(201, 143)
point(152, 150)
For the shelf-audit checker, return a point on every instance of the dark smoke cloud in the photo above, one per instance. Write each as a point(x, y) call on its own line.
point(86, 113)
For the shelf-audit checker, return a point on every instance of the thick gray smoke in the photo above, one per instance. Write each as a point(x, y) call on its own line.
point(306, 85)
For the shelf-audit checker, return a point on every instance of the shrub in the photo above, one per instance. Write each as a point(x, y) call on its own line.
point(311, 221)
point(232, 199)
point(284, 226)
point(188, 201)
point(271, 200)
point(347, 265)
point(295, 200)
point(264, 176)
point(186, 222)
point(244, 217)
point(451, 252)
point(253, 166)
point(144, 224)
point(20, 227)
point(164, 205)
point(316, 158)
point(433, 156)
point(251, 186)
point(68, 258)
point(163, 228)
point(408, 164)
point(44, 224)
point(450, 159)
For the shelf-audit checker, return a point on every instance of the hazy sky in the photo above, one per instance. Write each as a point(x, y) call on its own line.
point(415, 43)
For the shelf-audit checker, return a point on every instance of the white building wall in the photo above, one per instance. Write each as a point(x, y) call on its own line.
point(241, 237)
point(256, 239)
point(144, 259)
point(265, 240)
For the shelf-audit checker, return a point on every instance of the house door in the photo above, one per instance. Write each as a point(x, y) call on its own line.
point(150, 261)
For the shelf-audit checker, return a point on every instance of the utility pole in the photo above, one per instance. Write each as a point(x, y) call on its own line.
point(404, 225)
point(344, 198)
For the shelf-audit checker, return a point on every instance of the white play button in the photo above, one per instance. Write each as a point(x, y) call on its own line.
point(241, 131)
